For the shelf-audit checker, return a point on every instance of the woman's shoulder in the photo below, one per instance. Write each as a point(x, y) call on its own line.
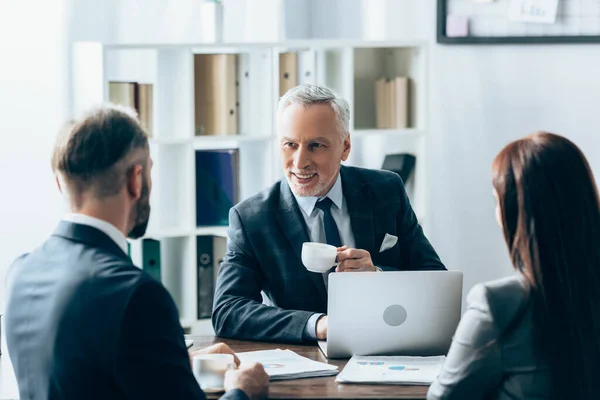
point(503, 298)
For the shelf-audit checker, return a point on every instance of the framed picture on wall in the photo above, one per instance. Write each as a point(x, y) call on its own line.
point(518, 21)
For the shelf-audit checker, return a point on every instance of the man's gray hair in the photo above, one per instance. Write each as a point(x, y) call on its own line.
point(308, 95)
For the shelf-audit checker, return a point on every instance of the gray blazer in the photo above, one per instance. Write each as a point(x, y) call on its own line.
point(266, 233)
point(488, 360)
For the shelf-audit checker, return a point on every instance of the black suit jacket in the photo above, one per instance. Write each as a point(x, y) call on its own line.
point(266, 233)
point(82, 322)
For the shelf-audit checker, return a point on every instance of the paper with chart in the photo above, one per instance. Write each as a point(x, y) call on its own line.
point(392, 370)
point(286, 364)
point(543, 11)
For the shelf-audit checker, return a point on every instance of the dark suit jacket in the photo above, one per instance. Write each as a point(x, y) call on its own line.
point(82, 322)
point(266, 233)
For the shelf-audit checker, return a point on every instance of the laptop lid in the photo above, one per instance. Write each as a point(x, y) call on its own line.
point(392, 313)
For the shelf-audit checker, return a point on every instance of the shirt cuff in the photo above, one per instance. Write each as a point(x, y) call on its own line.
point(310, 330)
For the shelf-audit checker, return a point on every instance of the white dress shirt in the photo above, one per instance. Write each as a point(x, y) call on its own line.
point(313, 217)
point(109, 229)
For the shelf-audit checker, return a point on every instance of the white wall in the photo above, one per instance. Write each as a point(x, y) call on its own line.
point(33, 104)
point(482, 98)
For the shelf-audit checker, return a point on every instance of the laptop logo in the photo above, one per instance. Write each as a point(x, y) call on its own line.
point(394, 315)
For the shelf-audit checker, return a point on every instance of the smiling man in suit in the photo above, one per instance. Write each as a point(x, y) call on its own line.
point(365, 213)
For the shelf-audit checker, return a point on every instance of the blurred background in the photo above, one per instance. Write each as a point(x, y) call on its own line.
point(474, 100)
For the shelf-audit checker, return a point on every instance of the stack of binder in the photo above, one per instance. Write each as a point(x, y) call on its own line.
point(391, 103)
point(138, 96)
point(215, 94)
point(145, 254)
point(210, 252)
point(288, 72)
point(217, 185)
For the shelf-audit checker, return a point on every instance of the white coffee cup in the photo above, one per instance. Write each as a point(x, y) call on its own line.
point(319, 257)
point(210, 369)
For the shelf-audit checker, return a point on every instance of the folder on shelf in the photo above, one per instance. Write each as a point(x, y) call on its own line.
point(144, 106)
point(122, 93)
point(138, 96)
point(288, 72)
point(151, 258)
point(210, 252)
point(379, 102)
point(391, 103)
point(219, 251)
point(401, 102)
point(217, 185)
point(215, 94)
point(205, 275)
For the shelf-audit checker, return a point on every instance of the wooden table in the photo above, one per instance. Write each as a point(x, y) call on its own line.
point(315, 388)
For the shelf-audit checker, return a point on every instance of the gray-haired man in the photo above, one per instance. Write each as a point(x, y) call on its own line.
point(321, 201)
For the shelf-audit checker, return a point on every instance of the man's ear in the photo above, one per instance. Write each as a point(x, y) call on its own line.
point(135, 181)
point(347, 148)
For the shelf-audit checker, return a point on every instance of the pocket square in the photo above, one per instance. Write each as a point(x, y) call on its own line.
point(389, 241)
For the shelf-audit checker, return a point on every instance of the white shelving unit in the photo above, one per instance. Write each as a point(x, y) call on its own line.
point(348, 67)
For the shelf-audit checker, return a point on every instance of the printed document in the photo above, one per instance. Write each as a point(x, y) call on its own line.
point(286, 364)
point(392, 370)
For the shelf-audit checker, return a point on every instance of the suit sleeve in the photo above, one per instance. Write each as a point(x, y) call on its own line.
point(238, 311)
point(152, 360)
point(416, 251)
point(473, 367)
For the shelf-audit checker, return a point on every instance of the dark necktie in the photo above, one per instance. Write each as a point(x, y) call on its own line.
point(332, 235)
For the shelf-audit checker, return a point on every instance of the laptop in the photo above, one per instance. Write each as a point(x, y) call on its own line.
point(392, 313)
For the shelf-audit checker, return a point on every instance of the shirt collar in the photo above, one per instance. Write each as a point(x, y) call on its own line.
point(307, 203)
point(109, 229)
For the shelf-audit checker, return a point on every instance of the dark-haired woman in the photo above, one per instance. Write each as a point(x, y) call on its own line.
point(535, 335)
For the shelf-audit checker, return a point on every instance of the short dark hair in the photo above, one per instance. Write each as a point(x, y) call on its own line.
point(94, 152)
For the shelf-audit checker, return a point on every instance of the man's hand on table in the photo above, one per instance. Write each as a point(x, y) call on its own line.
point(252, 379)
point(219, 348)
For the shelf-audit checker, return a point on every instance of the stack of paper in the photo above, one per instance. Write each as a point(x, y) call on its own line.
point(392, 370)
point(285, 364)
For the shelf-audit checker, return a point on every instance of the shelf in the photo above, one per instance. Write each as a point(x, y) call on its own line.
point(168, 233)
point(172, 141)
point(181, 232)
point(245, 46)
point(201, 142)
point(212, 230)
point(362, 133)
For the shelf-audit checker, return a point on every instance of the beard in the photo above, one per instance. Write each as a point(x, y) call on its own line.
point(315, 189)
point(141, 210)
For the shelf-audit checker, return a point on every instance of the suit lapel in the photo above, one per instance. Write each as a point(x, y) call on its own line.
point(358, 199)
point(296, 232)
